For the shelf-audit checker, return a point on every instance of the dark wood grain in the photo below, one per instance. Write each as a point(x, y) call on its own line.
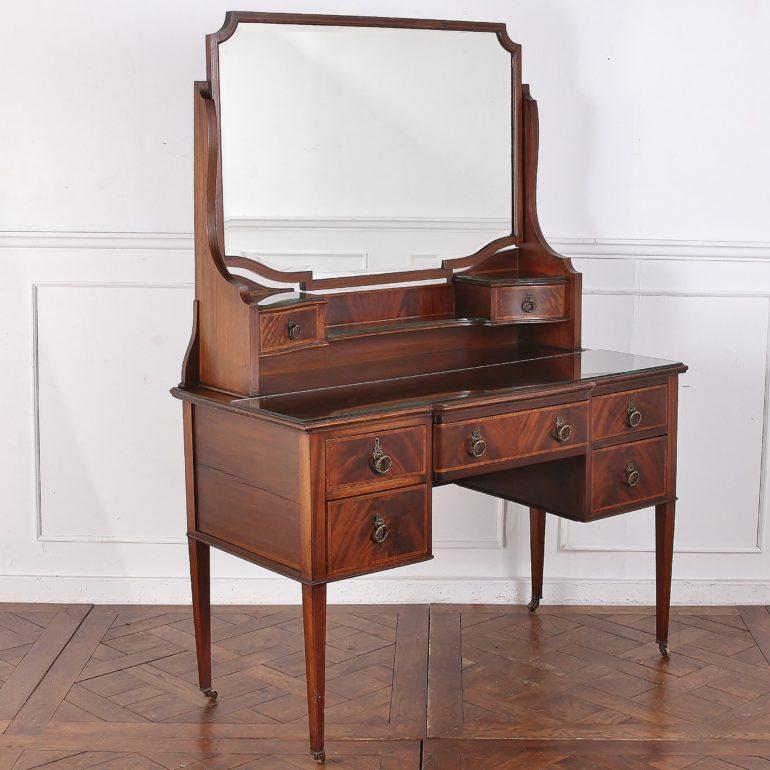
point(664, 555)
point(200, 579)
point(509, 436)
point(35, 663)
point(307, 326)
point(351, 527)
point(570, 686)
point(548, 302)
point(609, 479)
point(537, 553)
point(255, 451)
point(248, 516)
point(349, 459)
point(314, 625)
point(610, 416)
point(589, 681)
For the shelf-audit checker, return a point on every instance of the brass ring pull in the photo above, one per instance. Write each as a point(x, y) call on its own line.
point(477, 446)
point(634, 415)
point(529, 304)
point(632, 475)
point(563, 430)
point(380, 462)
point(294, 330)
point(381, 531)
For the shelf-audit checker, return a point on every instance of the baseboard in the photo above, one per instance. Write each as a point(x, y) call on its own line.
point(392, 590)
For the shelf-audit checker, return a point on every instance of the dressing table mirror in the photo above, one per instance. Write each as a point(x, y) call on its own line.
point(378, 313)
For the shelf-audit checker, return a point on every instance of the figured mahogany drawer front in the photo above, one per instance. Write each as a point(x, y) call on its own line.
point(506, 437)
point(289, 329)
point(628, 473)
point(378, 459)
point(524, 303)
point(374, 531)
point(629, 412)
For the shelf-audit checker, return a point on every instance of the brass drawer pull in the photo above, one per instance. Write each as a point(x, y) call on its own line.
point(294, 330)
point(477, 446)
point(632, 475)
point(634, 415)
point(380, 462)
point(563, 430)
point(381, 531)
point(530, 304)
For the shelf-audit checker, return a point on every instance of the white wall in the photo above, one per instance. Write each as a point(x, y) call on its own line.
point(654, 169)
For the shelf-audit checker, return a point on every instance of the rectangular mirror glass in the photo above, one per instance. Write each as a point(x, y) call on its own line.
point(352, 150)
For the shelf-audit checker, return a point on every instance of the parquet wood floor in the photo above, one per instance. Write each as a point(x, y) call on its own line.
point(568, 687)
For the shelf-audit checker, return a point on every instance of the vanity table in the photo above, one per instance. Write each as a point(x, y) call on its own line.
point(321, 410)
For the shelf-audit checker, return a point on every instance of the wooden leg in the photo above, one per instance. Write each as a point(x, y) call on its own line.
point(664, 555)
point(314, 620)
point(201, 596)
point(537, 554)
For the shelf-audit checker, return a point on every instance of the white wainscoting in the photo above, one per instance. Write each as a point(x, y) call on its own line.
point(93, 331)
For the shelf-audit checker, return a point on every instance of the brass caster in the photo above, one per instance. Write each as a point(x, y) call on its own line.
point(320, 756)
point(534, 603)
point(663, 647)
point(209, 693)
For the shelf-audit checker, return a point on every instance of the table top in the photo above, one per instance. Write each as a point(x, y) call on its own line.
point(451, 388)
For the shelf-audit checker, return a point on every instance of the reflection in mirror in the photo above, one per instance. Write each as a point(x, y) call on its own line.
point(363, 149)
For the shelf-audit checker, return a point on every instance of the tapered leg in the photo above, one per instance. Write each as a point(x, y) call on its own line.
point(201, 596)
point(537, 554)
point(664, 555)
point(314, 620)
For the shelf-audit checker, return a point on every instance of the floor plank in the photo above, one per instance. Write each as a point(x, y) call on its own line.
point(448, 687)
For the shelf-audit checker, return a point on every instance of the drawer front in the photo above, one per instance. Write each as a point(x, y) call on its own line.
point(509, 436)
point(289, 329)
point(629, 411)
point(376, 531)
point(524, 303)
point(384, 459)
point(628, 473)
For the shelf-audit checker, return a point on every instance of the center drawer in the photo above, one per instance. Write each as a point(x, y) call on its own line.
point(372, 532)
point(472, 443)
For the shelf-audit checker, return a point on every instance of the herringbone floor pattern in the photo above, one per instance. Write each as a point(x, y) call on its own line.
point(569, 687)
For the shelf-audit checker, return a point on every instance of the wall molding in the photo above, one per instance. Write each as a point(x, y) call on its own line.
point(501, 515)
point(579, 247)
point(39, 534)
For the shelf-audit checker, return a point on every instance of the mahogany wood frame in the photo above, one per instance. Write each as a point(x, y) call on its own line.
point(305, 278)
point(284, 491)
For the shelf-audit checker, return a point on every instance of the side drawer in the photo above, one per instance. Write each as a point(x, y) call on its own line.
point(372, 532)
point(281, 330)
point(488, 440)
point(628, 473)
point(383, 459)
point(629, 411)
point(530, 303)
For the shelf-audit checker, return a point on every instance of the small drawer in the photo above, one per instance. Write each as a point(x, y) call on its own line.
point(380, 460)
point(509, 436)
point(289, 329)
point(530, 303)
point(372, 532)
point(628, 473)
point(629, 411)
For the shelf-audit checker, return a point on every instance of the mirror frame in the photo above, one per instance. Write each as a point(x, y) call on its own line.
point(305, 278)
